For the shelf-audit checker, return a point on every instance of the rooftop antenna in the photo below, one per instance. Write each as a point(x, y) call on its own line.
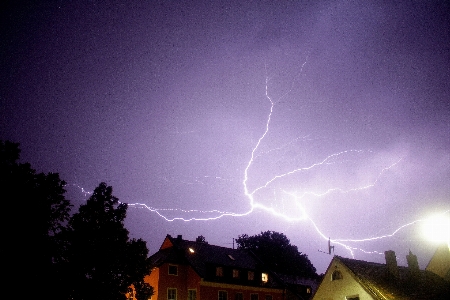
point(329, 248)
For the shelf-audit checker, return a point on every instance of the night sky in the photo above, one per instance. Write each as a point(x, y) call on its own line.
point(166, 102)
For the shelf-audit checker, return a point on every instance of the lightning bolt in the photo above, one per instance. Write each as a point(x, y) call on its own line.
point(294, 197)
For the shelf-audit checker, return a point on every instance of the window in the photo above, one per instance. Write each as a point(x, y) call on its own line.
point(336, 275)
point(230, 257)
point(264, 277)
point(173, 270)
point(239, 296)
point(251, 275)
point(235, 273)
point(268, 297)
point(171, 294)
point(223, 295)
point(192, 294)
point(219, 271)
point(253, 296)
point(354, 297)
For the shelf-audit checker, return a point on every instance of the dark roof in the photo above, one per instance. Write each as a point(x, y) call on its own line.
point(204, 254)
point(375, 279)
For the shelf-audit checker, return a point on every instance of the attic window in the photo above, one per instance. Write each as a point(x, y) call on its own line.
point(231, 257)
point(264, 277)
point(191, 250)
point(336, 275)
point(173, 270)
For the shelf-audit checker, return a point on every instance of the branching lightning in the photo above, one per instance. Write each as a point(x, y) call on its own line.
point(295, 198)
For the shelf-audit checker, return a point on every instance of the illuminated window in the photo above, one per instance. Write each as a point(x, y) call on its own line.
point(253, 296)
point(191, 250)
point(251, 275)
point(239, 296)
point(268, 297)
point(354, 297)
point(308, 290)
point(171, 294)
point(223, 295)
point(235, 273)
point(173, 270)
point(336, 275)
point(219, 271)
point(192, 294)
point(264, 277)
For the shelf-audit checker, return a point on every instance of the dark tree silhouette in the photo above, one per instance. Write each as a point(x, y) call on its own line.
point(276, 251)
point(201, 239)
point(37, 212)
point(102, 261)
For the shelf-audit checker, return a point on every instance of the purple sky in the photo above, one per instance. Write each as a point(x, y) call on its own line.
point(166, 102)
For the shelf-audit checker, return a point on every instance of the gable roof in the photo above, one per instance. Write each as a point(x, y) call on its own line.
point(374, 278)
point(177, 250)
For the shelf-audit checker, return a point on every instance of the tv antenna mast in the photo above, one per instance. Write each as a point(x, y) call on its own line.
point(329, 248)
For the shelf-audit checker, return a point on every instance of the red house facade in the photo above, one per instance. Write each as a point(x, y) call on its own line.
point(195, 270)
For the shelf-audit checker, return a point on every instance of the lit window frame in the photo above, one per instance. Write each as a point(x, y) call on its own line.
point(254, 296)
point(264, 277)
point(170, 295)
point(222, 295)
point(219, 272)
point(192, 292)
point(239, 296)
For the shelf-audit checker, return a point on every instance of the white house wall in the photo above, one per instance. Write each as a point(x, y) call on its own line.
point(340, 288)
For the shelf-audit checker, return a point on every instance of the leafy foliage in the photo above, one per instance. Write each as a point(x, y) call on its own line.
point(86, 256)
point(201, 239)
point(38, 214)
point(103, 262)
point(276, 251)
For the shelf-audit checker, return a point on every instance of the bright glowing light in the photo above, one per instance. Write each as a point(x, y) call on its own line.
point(437, 228)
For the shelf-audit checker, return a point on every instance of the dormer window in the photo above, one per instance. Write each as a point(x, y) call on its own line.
point(235, 273)
point(264, 277)
point(219, 271)
point(251, 275)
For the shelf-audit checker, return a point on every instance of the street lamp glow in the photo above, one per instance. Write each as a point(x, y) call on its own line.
point(437, 228)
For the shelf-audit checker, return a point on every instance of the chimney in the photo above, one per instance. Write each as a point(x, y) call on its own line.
point(179, 237)
point(391, 264)
point(413, 264)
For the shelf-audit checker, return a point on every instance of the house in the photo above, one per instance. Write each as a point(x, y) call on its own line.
point(183, 269)
point(355, 279)
point(440, 262)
